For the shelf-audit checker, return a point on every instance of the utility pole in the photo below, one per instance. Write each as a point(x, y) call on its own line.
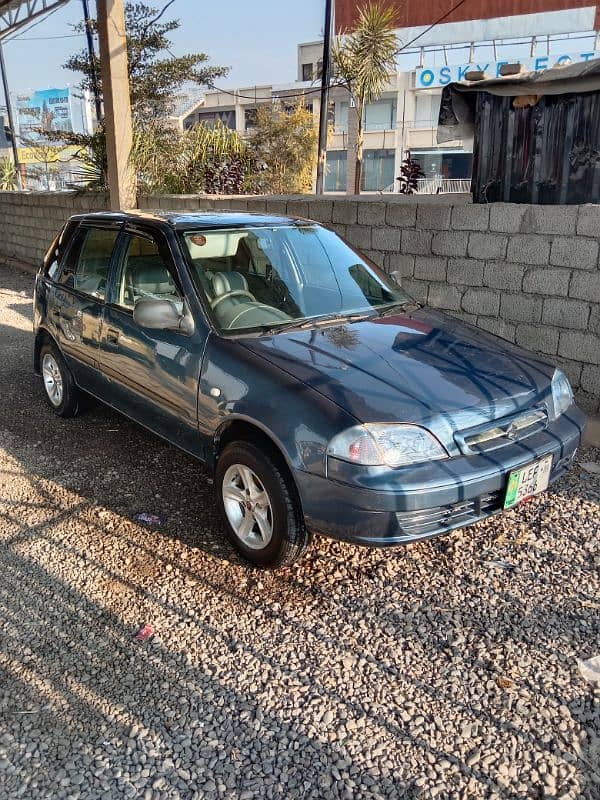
point(117, 105)
point(324, 108)
point(92, 58)
point(9, 115)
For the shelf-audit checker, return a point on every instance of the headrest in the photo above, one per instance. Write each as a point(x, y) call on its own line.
point(150, 273)
point(225, 282)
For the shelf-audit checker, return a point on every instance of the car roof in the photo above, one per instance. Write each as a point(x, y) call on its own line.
point(193, 220)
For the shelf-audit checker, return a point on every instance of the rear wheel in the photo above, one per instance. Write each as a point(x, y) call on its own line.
point(61, 393)
point(259, 505)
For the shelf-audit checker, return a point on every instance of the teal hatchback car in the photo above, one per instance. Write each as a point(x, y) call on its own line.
point(319, 394)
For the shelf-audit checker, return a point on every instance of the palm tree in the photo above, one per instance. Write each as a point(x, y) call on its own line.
point(365, 60)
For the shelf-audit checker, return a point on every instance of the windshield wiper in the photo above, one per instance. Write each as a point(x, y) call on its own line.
point(316, 322)
point(389, 310)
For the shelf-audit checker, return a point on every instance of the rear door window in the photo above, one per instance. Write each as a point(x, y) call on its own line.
point(87, 263)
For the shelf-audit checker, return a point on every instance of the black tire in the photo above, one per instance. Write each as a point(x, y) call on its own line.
point(289, 538)
point(70, 398)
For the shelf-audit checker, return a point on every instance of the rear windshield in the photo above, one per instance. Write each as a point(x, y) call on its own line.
point(262, 277)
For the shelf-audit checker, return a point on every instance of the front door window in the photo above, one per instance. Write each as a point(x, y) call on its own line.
point(145, 275)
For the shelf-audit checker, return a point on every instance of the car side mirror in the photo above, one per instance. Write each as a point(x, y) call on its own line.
point(162, 315)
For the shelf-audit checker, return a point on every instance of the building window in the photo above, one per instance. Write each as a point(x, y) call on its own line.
point(319, 69)
point(249, 118)
point(380, 116)
point(335, 171)
point(210, 118)
point(307, 72)
point(377, 170)
point(427, 109)
point(340, 124)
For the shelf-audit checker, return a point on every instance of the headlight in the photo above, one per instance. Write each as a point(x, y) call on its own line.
point(562, 394)
point(390, 444)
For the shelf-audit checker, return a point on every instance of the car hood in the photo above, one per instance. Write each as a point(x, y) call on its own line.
point(423, 367)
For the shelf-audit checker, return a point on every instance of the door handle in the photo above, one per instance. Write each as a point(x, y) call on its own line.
point(112, 336)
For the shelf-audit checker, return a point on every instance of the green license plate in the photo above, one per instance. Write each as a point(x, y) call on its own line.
point(528, 481)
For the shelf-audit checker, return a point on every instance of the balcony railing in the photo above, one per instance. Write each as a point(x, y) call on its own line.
point(436, 185)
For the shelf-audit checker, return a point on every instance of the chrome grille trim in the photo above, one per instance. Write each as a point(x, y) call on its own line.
point(502, 432)
point(426, 522)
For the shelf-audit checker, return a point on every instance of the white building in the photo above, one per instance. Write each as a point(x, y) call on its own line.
point(403, 121)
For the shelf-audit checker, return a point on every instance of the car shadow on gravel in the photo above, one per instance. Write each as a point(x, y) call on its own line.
point(397, 636)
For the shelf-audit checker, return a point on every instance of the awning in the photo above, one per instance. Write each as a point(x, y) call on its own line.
point(457, 109)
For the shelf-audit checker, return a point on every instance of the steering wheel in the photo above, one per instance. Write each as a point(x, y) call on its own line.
point(235, 293)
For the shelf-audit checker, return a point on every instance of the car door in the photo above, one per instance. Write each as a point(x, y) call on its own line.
point(153, 374)
point(78, 298)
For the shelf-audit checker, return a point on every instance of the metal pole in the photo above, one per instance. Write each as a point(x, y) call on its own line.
point(324, 108)
point(9, 115)
point(92, 57)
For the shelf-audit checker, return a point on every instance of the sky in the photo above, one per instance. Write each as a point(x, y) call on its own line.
point(257, 40)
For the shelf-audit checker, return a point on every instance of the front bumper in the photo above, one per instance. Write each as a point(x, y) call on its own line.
point(381, 507)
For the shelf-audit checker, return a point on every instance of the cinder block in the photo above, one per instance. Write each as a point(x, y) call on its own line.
point(298, 208)
point(277, 205)
point(385, 239)
point(566, 313)
point(376, 256)
point(359, 236)
point(445, 297)
point(572, 370)
point(371, 213)
point(401, 214)
point(487, 246)
point(521, 308)
point(257, 205)
point(430, 269)
point(450, 243)
point(574, 252)
point(540, 338)
point(594, 320)
point(585, 286)
point(506, 217)
point(588, 221)
point(416, 289)
point(320, 210)
point(503, 275)
point(590, 379)
point(432, 216)
point(470, 218)
point(416, 242)
point(547, 281)
point(465, 271)
point(481, 301)
point(344, 211)
point(580, 346)
point(400, 265)
point(498, 327)
point(528, 249)
point(561, 220)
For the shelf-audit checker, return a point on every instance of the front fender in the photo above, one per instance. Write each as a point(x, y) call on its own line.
point(236, 384)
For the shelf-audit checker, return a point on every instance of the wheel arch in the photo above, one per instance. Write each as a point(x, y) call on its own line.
point(42, 336)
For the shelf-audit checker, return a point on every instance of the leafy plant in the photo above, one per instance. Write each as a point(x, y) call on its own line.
point(155, 75)
point(284, 145)
point(410, 173)
point(8, 175)
point(201, 159)
point(365, 61)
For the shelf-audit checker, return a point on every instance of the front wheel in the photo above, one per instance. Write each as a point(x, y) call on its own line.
point(258, 502)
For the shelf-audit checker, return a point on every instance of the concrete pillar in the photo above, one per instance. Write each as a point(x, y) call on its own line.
point(351, 150)
point(117, 105)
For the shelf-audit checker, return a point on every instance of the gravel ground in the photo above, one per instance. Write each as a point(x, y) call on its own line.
point(445, 669)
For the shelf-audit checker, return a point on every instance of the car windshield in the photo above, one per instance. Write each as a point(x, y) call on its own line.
point(263, 278)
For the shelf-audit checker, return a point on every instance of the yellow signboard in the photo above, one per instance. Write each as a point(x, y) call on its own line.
point(46, 154)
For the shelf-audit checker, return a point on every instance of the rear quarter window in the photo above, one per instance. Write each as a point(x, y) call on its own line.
point(56, 251)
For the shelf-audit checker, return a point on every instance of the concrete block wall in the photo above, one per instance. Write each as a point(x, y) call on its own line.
point(29, 221)
point(529, 274)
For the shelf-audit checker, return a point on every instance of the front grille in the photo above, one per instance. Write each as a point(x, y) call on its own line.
point(432, 521)
point(502, 432)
